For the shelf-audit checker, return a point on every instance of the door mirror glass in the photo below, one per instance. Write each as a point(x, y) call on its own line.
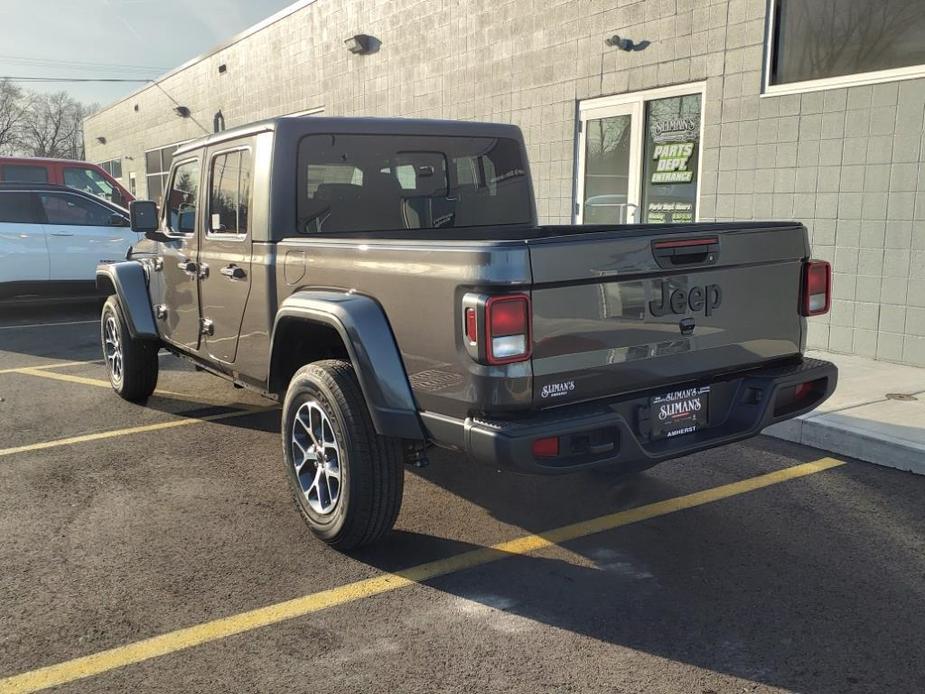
point(143, 214)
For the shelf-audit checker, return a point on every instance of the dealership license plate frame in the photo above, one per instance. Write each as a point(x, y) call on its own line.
point(688, 420)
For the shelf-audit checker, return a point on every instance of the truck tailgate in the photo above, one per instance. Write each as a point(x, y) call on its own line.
point(633, 308)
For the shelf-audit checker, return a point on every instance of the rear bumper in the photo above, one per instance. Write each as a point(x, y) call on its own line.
point(615, 432)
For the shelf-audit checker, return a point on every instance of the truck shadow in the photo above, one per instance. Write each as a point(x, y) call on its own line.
point(762, 588)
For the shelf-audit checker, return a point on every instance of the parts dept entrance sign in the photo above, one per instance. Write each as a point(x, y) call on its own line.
point(672, 139)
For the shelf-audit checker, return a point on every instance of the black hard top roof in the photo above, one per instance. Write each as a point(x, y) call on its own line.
point(296, 127)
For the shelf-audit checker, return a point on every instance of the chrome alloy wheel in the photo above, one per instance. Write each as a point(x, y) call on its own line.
point(316, 458)
point(112, 345)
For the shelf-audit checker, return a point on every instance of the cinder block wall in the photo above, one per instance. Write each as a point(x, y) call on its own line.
point(846, 162)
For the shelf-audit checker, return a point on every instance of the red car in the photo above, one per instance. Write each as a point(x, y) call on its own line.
point(81, 175)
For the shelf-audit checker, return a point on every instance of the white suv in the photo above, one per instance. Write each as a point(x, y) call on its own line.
point(52, 237)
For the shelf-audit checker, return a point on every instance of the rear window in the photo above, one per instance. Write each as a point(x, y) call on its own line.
point(23, 173)
point(17, 207)
point(394, 182)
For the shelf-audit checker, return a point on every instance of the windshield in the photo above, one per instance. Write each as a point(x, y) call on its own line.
point(393, 182)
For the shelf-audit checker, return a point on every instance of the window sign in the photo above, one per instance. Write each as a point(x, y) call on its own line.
point(672, 151)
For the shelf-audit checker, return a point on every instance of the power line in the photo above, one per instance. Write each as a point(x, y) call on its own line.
point(13, 78)
point(82, 63)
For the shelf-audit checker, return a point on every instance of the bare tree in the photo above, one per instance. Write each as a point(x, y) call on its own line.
point(53, 126)
point(13, 104)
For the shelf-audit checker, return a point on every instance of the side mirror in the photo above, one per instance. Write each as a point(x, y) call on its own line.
point(143, 214)
point(117, 220)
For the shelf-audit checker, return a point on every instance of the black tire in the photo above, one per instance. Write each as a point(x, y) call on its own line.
point(371, 467)
point(137, 378)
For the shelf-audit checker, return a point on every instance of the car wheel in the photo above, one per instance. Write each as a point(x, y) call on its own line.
point(347, 480)
point(131, 363)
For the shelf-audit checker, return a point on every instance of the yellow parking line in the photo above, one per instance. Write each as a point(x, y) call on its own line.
point(115, 433)
point(121, 656)
point(48, 325)
point(58, 365)
point(98, 382)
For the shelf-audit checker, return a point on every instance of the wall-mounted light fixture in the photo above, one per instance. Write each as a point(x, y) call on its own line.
point(625, 44)
point(182, 111)
point(101, 140)
point(218, 122)
point(362, 44)
point(222, 69)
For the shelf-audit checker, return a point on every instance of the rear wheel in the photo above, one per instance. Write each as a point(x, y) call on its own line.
point(347, 480)
point(131, 363)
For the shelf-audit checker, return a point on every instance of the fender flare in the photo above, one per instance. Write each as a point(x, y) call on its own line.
point(367, 335)
point(127, 280)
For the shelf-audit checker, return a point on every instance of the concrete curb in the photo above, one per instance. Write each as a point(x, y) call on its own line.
point(860, 421)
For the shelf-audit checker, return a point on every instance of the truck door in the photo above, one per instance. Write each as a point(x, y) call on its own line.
point(225, 251)
point(177, 306)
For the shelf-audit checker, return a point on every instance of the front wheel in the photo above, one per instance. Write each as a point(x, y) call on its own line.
point(347, 480)
point(131, 363)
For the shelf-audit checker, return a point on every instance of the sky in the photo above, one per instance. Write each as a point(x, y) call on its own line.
point(115, 39)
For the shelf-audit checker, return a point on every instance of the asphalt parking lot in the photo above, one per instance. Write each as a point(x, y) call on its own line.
point(156, 549)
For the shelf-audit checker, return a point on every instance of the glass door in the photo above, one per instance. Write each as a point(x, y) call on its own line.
point(608, 190)
point(639, 157)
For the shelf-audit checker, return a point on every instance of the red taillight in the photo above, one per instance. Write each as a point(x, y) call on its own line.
point(507, 318)
point(817, 287)
point(472, 333)
point(546, 448)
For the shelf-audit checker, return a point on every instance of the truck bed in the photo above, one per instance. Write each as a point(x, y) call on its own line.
point(601, 300)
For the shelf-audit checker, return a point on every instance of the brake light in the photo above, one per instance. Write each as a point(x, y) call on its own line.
point(817, 287)
point(546, 447)
point(507, 318)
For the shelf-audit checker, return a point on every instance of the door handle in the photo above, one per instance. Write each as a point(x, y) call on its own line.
point(234, 272)
point(188, 266)
point(60, 233)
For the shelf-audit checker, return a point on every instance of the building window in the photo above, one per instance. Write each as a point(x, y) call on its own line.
point(157, 167)
point(113, 167)
point(230, 192)
point(815, 44)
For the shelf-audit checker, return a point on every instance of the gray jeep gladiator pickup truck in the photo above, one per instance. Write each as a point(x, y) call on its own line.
point(387, 281)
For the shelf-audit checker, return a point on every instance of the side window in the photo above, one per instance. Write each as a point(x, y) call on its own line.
point(61, 208)
point(229, 201)
point(88, 180)
point(17, 208)
point(20, 173)
point(183, 198)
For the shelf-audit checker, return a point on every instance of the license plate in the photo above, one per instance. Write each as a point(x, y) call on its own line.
point(679, 412)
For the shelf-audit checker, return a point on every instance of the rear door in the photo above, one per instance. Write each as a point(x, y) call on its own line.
point(622, 310)
point(23, 252)
point(225, 251)
point(81, 233)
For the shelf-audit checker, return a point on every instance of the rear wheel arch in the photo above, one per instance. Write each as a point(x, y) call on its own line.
point(315, 325)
